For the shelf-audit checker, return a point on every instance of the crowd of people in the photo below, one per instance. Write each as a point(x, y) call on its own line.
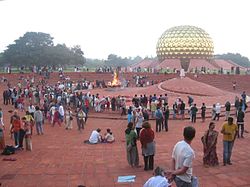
point(140, 129)
point(62, 102)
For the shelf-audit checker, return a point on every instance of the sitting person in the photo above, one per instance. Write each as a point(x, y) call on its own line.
point(158, 180)
point(108, 137)
point(95, 137)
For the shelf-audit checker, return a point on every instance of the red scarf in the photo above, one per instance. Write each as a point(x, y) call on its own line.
point(146, 136)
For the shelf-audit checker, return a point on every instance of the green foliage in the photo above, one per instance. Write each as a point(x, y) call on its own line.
point(115, 61)
point(236, 58)
point(36, 48)
point(93, 63)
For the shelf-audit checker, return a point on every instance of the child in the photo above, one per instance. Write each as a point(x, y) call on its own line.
point(27, 129)
point(108, 137)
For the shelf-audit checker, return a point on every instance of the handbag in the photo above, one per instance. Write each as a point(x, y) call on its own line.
point(71, 118)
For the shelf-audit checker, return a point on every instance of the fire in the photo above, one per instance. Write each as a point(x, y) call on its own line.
point(115, 81)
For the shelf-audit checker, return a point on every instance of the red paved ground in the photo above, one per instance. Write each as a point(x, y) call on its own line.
point(59, 157)
point(175, 87)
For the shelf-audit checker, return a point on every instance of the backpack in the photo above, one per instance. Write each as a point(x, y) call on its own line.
point(8, 150)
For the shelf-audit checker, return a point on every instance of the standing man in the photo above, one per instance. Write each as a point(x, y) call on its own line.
point(159, 119)
point(182, 159)
point(190, 101)
point(61, 112)
point(203, 112)
point(236, 105)
point(38, 118)
point(182, 109)
point(193, 111)
point(80, 116)
point(240, 122)
point(229, 131)
point(166, 113)
point(228, 108)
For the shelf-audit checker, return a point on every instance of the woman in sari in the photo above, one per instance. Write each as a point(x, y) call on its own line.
point(132, 151)
point(209, 141)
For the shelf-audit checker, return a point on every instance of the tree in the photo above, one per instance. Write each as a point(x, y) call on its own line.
point(36, 48)
point(115, 61)
point(236, 58)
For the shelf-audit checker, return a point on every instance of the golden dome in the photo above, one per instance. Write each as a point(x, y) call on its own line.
point(184, 42)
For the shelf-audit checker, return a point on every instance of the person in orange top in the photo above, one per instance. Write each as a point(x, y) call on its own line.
point(229, 131)
point(16, 126)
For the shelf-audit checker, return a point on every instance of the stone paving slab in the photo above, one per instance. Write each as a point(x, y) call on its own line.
point(60, 158)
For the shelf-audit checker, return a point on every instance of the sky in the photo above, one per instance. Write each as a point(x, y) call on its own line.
point(126, 28)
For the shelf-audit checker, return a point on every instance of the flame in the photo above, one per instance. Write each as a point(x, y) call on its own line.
point(115, 81)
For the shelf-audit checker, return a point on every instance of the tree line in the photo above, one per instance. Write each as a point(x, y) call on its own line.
point(37, 48)
point(236, 58)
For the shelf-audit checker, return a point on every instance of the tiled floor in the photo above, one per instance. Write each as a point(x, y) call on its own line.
point(60, 158)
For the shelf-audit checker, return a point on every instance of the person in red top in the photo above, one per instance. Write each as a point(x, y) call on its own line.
point(148, 145)
point(15, 128)
point(56, 118)
point(20, 103)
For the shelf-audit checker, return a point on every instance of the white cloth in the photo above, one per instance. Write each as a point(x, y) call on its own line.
point(109, 137)
point(139, 121)
point(31, 109)
point(217, 108)
point(61, 110)
point(157, 181)
point(183, 155)
point(94, 137)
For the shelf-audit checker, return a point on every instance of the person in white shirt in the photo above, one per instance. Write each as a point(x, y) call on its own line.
point(31, 109)
point(158, 180)
point(52, 112)
point(95, 137)
point(61, 112)
point(217, 111)
point(182, 159)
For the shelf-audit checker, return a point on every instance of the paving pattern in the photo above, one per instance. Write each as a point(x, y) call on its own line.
point(60, 158)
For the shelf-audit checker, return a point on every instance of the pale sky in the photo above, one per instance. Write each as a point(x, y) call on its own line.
point(125, 27)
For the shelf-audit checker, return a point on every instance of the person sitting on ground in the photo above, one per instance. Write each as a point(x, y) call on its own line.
point(108, 137)
point(95, 137)
point(158, 180)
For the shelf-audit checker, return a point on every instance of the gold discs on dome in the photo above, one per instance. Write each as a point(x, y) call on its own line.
point(183, 41)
